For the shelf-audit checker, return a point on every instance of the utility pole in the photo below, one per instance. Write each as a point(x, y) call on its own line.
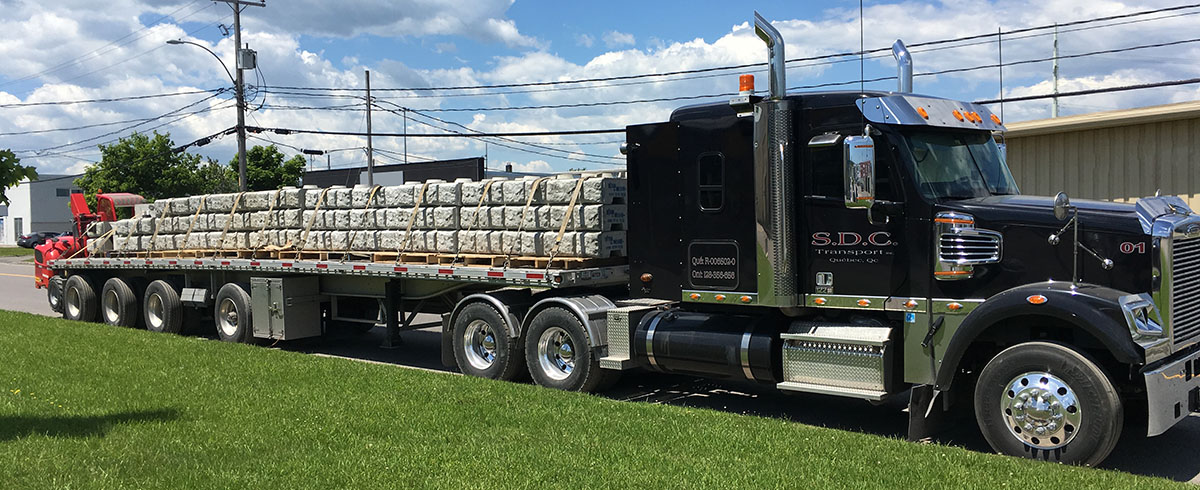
point(1054, 105)
point(405, 113)
point(370, 146)
point(239, 84)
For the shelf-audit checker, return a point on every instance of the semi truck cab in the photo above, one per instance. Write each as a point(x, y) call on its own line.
point(861, 244)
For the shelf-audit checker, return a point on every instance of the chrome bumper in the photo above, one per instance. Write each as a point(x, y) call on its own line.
point(1172, 392)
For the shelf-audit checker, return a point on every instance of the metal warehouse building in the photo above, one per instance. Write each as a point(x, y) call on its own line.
point(1116, 155)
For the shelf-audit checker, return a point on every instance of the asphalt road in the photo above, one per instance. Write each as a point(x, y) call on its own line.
point(1173, 455)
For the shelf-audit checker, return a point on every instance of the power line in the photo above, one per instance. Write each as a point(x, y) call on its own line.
point(42, 152)
point(113, 99)
point(126, 128)
point(1123, 88)
point(751, 65)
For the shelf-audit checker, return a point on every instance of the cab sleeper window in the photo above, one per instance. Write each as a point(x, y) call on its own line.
point(710, 180)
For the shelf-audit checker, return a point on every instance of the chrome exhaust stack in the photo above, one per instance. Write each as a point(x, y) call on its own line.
point(775, 184)
point(904, 72)
point(776, 77)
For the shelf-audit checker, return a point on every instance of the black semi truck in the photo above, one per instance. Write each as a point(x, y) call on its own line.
point(855, 244)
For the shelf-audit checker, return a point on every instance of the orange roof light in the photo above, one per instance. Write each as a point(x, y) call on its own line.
point(923, 112)
point(746, 83)
point(977, 117)
point(995, 119)
point(957, 115)
point(1036, 299)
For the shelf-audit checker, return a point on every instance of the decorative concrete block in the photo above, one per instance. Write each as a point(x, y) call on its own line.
point(257, 201)
point(342, 198)
point(316, 197)
point(519, 191)
point(514, 214)
point(292, 198)
point(340, 221)
point(445, 241)
point(312, 219)
point(364, 241)
point(399, 195)
point(443, 218)
point(287, 218)
point(362, 219)
point(339, 240)
point(221, 203)
point(472, 192)
point(400, 219)
point(446, 193)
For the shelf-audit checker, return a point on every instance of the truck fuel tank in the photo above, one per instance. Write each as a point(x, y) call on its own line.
point(710, 344)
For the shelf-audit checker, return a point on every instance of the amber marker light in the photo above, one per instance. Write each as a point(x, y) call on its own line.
point(910, 304)
point(923, 112)
point(954, 306)
point(864, 302)
point(694, 296)
point(719, 297)
point(745, 299)
point(746, 84)
point(820, 301)
point(995, 119)
point(647, 277)
point(1036, 299)
point(957, 115)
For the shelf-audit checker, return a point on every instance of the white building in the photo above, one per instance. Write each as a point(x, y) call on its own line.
point(41, 205)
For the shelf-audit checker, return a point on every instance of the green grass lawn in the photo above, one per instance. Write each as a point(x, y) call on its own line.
point(15, 252)
point(85, 405)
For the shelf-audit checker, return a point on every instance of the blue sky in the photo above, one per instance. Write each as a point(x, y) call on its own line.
point(81, 49)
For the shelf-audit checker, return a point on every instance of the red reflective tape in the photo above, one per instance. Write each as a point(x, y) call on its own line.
point(173, 262)
point(322, 266)
point(286, 264)
point(198, 262)
point(495, 274)
point(224, 262)
point(126, 262)
point(401, 269)
point(105, 262)
point(445, 271)
point(535, 276)
point(255, 264)
point(148, 262)
point(359, 267)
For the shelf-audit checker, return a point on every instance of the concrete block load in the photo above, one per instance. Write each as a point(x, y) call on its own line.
point(562, 216)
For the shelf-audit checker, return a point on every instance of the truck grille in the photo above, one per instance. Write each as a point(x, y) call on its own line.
point(969, 246)
point(1185, 291)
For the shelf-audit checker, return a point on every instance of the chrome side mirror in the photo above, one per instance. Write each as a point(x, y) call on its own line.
point(1062, 205)
point(859, 156)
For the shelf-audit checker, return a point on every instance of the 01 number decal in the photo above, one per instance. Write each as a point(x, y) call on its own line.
point(1130, 247)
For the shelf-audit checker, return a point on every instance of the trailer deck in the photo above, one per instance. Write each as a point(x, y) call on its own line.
point(501, 276)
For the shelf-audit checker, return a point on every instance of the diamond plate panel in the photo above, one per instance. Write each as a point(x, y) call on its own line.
point(834, 364)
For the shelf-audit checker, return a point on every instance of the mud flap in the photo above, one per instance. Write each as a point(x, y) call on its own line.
point(928, 412)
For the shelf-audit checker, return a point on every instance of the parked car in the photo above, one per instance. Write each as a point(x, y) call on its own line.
point(36, 238)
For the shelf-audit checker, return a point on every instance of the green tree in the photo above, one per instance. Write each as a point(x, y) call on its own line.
point(148, 165)
point(12, 173)
point(266, 169)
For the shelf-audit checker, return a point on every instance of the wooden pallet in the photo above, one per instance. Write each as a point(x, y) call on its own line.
point(563, 263)
point(472, 260)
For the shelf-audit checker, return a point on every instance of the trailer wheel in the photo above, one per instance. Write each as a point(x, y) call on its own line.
point(232, 314)
point(54, 293)
point(118, 303)
point(162, 309)
point(559, 355)
point(482, 346)
point(1041, 400)
point(79, 300)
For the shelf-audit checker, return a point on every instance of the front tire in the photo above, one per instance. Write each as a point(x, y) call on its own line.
point(232, 314)
point(482, 346)
point(559, 354)
point(1041, 400)
point(118, 303)
point(79, 300)
point(162, 309)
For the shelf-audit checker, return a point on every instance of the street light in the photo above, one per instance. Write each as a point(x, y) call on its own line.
point(241, 114)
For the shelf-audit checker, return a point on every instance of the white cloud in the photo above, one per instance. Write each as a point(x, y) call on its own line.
point(536, 166)
point(615, 39)
point(585, 40)
point(442, 48)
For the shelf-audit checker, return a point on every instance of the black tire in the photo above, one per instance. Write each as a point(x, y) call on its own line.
point(118, 303)
point(483, 346)
point(54, 293)
point(559, 354)
point(232, 314)
point(1068, 390)
point(161, 309)
point(79, 300)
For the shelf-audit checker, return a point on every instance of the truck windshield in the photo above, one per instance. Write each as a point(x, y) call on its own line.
point(957, 165)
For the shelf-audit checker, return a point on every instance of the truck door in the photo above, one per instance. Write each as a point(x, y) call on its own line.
point(848, 258)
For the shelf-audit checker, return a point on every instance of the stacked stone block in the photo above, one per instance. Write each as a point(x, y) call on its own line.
point(564, 216)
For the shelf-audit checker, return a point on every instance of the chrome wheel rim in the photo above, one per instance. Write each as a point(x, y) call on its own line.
point(55, 299)
point(227, 317)
point(1041, 410)
point(479, 342)
point(112, 307)
point(556, 353)
point(73, 303)
point(154, 312)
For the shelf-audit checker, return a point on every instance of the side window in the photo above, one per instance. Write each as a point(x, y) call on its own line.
point(825, 163)
point(710, 180)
